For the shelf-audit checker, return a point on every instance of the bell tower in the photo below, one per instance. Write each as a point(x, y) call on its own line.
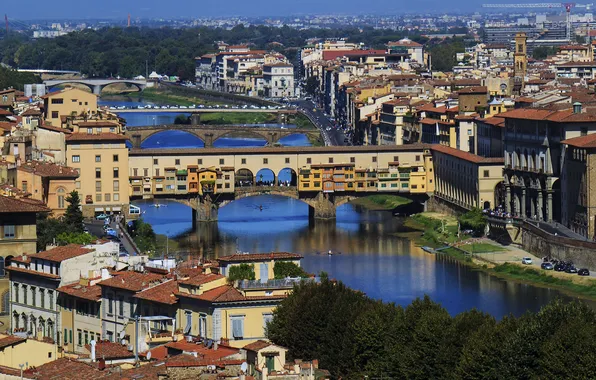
point(520, 60)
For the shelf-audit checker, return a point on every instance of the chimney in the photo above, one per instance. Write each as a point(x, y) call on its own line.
point(577, 107)
point(215, 346)
point(92, 343)
point(102, 364)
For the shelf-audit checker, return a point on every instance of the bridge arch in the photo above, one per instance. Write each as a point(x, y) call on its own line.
point(74, 81)
point(244, 177)
point(265, 177)
point(244, 133)
point(287, 177)
point(173, 133)
point(129, 84)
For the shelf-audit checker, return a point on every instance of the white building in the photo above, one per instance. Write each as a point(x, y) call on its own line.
point(279, 80)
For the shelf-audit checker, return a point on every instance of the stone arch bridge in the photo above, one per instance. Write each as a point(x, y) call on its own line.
point(96, 85)
point(211, 133)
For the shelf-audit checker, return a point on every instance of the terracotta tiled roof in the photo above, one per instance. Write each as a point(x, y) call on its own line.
point(203, 352)
point(111, 350)
point(65, 369)
point(473, 90)
point(496, 121)
point(48, 169)
point(152, 371)
point(91, 293)
point(32, 112)
point(588, 141)
point(191, 361)
point(4, 112)
point(260, 257)
point(10, 341)
point(227, 293)
point(96, 124)
point(107, 136)
point(12, 205)
point(577, 64)
point(161, 293)
point(430, 121)
point(6, 126)
point(62, 253)
point(257, 346)
point(55, 129)
point(466, 155)
point(133, 281)
point(404, 42)
point(467, 82)
point(202, 279)
point(329, 55)
point(561, 116)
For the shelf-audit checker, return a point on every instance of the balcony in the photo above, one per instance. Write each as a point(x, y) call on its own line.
point(284, 283)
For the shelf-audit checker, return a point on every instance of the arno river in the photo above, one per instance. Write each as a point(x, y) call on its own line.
point(373, 259)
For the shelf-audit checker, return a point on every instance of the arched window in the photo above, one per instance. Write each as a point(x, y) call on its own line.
point(6, 302)
point(61, 197)
point(15, 321)
point(50, 329)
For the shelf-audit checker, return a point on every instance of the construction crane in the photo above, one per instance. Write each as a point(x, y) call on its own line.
point(567, 6)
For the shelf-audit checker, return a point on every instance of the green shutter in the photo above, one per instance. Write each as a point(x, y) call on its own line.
point(65, 336)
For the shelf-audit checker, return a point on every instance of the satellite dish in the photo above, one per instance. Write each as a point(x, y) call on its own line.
point(123, 342)
point(244, 367)
point(121, 335)
point(149, 355)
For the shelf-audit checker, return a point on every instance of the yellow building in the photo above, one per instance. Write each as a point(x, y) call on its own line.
point(466, 180)
point(18, 235)
point(16, 351)
point(67, 103)
point(80, 305)
point(211, 308)
point(103, 184)
point(46, 182)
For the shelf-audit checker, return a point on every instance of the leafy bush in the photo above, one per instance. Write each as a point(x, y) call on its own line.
point(242, 272)
point(283, 269)
point(473, 220)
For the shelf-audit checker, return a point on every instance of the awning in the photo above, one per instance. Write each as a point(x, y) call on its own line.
point(116, 208)
point(99, 209)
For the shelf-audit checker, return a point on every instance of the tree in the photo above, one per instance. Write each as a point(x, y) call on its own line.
point(182, 119)
point(81, 238)
point(474, 220)
point(242, 272)
point(47, 230)
point(283, 269)
point(311, 86)
point(73, 217)
point(143, 235)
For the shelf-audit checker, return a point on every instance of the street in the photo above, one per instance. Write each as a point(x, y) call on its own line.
point(331, 134)
point(96, 229)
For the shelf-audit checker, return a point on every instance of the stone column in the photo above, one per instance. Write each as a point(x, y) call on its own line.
point(207, 210)
point(540, 205)
point(508, 199)
point(322, 207)
point(549, 206)
point(532, 207)
point(523, 202)
point(208, 140)
point(195, 118)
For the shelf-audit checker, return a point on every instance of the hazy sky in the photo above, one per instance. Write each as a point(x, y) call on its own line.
point(38, 9)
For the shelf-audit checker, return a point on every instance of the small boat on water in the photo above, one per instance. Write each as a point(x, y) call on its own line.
point(429, 249)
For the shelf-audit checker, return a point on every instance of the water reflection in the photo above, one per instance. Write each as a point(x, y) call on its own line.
point(373, 259)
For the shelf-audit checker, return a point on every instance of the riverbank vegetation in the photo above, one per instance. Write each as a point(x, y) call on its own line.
point(381, 202)
point(355, 337)
point(170, 96)
point(12, 78)
point(143, 235)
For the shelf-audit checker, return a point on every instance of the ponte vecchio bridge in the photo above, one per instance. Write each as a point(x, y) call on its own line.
point(322, 177)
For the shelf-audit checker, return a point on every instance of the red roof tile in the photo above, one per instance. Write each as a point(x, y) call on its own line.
point(96, 137)
point(32, 112)
point(191, 361)
point(161, 293)
point(65, 369)
point(62, 253)
point(203, 352)
point(257, 346)
point(588, 141)
point(133, 281)
point(430, 121)
point(14, 205)
point(260, 257)
point(496, 121)
point(91, 293)
point(55, 129)
point(201, 279)
point(467, 156)
point(11, 340)
point(48, 169)
point(110, 351)
point(33, 272)
point(329, 55)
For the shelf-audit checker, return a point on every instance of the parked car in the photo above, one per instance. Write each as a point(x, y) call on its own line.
point(583, 272)
point(547, 266)
point(571, 269)
point(527, 260)
point(111, 232)
point(560, 267)
point(101, 216)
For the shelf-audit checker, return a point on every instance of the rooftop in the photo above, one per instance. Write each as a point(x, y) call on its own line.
point(133, 281)
point(106, 136)
point(257, 346)
point(466, 155)
point(91, 293)
point(588, 141)
point(161, 293)
point(10, 340)
point(110, 351)
point(202, 279)
point(14, 205)
point(48, 169)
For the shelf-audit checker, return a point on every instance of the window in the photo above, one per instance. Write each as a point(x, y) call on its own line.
point(177, 161)
point(70, 336)
point(202, 325)
point(79, 337)
point(97, 172)
point(287, 160)
point(116, 185)
point(115, 158)
point(16, 293)
point(116, 197)
point(308, 160)
point(33, 295)
point(110, 306)
point(76, 158)
point(9, 232)
point(237, 327)
point(51, 299)
point(24, 186)
point(58, 101)
point(267, 318)
point(42, 298)
point(110, 336)
point(107, 197)
point(135, 172)
point(97, 186)
point(25, 294)
point(352, 159)
point(486, 174)
point(98, 197)
point(65, 336)
point(330, 160)
point(221, 161)
point(116, 172)
point(98, 158)
point(374, 159)
point(155, 161)
point(121, 306)
point(417, 158)
point(145, 172)
point(265, 161)
point(55, 115)
point(89, 131)
point(61, 198)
